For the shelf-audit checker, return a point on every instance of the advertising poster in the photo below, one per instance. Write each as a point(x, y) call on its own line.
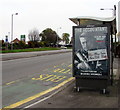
point(91, 51)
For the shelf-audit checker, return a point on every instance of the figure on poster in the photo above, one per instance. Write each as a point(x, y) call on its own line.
point(81, 57)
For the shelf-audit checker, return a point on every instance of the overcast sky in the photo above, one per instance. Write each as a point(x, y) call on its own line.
point(42, 14)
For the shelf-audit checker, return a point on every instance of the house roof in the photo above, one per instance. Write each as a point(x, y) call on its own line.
point(16, 40)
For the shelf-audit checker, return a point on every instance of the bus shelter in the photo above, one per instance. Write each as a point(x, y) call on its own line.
point(93, 52)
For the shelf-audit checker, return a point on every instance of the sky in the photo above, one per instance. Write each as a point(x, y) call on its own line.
point(42, 14)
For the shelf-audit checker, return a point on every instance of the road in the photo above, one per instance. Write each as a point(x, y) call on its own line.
point(84, 99)
point(23, 78)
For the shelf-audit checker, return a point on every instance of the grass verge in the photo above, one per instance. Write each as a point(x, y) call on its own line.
point(29, 50)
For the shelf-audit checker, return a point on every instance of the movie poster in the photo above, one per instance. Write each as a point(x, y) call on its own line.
point(91, 55)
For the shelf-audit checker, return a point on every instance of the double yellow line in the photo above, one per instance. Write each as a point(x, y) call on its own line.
point(37, 95)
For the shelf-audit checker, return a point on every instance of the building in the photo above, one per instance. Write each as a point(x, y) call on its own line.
point(16, 40)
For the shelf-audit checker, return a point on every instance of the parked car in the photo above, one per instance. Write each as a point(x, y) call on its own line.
point(63, 47)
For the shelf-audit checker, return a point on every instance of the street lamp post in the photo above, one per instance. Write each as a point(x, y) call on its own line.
point(114, 26)
point(58, 35)
point(108, 9)
point(12, 30)
point(114, 10)
point(114, 15)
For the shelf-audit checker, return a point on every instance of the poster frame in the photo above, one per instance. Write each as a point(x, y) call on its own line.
point(108, 51)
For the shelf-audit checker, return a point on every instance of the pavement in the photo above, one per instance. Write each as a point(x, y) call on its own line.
point(11, 56)
point(69, 98)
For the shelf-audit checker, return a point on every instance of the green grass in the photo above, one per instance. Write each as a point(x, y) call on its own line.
point(29, 50)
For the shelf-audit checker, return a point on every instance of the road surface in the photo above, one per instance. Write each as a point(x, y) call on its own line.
point(23, 78)
point(90, 99)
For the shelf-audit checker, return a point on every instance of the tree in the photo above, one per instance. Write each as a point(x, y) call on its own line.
point(2, 45)
point(49, 36)
point(65, 38)
point(22, 45)
point(31, 44)
point(34, 35)
point(71, 42)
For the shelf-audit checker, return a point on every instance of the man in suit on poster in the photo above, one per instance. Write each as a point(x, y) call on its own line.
point(82, 62)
